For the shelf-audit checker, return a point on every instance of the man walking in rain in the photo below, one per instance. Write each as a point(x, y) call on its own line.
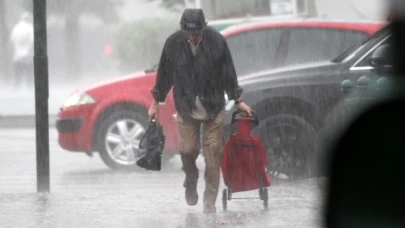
point(22, 38)
point(197, 63)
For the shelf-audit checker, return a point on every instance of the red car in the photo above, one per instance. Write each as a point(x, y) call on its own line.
point(110, 117)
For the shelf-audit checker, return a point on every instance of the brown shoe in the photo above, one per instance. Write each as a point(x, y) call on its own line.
point(191, 196)
point(191, 192)
point(190, 183)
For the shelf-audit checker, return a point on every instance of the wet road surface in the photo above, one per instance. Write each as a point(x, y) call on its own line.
point(85, 193)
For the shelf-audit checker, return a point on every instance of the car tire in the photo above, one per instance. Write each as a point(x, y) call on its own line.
point(291, 143)
point(140, 116)
point(110, 124)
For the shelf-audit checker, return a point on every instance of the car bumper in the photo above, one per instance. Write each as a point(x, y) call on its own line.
point(74, 126)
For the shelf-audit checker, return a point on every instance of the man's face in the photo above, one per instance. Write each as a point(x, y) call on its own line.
point(195, 38)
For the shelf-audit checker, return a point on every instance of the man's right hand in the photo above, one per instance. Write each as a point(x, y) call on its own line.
point(153, 112)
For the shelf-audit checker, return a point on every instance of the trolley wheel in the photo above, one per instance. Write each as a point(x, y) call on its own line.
point(261, 193)
point(225, 199)
point(265, 198)
point(261, 185)
point(229, 194)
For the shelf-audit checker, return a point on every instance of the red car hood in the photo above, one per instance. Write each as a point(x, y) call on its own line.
point(122, 80)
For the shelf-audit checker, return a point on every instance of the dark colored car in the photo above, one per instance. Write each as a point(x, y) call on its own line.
point(292, 104)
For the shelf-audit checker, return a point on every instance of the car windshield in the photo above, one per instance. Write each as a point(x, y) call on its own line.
point(351, 52)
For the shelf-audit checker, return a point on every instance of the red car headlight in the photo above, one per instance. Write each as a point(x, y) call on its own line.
point(77, 99)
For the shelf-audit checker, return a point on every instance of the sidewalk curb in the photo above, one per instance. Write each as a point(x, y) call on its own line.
point(22, 121)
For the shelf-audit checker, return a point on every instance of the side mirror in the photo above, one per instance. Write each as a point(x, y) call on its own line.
point(381, 57)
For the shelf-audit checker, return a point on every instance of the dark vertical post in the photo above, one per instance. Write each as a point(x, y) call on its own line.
point(4, 33)
point(41, 95)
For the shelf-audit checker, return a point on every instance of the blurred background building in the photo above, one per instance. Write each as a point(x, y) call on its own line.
point(82, 35)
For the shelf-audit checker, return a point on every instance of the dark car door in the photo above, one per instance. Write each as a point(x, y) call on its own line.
point(309, 44)
point(255, 50)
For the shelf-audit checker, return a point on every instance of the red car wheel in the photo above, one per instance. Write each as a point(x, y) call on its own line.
point(118, 138)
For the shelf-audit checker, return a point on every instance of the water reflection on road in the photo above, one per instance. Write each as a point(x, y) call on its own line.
point(84, 193)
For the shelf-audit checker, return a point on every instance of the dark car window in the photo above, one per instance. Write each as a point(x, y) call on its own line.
point(254, 50)
point(365, 62)
point(315, 44)
point(351, 52)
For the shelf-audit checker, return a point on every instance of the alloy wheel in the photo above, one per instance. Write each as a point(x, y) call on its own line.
point(122, 141)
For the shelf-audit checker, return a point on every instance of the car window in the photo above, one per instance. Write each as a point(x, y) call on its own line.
point(353, 51)
point(365, 61)
point(315, 44)
point(254, 51)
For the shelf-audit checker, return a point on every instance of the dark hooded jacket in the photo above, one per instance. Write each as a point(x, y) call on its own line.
point(207, 75)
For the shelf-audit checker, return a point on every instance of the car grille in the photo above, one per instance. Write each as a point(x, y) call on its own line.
point(68, 125)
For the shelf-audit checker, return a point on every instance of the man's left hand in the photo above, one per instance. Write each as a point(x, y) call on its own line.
point(244, 108)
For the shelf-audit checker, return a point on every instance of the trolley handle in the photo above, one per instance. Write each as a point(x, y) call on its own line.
point(254, 118)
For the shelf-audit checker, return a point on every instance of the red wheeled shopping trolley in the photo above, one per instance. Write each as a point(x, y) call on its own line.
point(244, 162)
